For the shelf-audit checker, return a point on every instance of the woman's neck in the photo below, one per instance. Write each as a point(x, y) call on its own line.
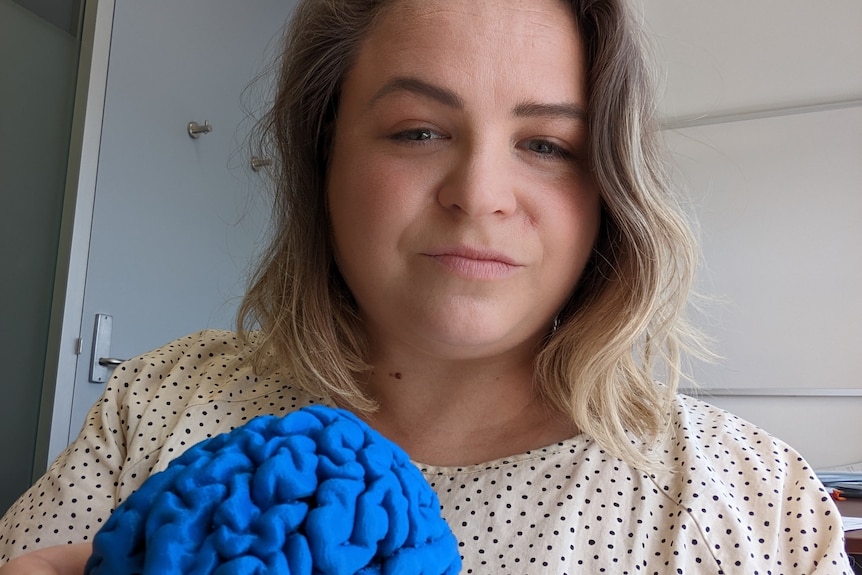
point(456, 413)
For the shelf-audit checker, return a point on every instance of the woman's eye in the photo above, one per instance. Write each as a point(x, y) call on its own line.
point(417, 135)
point(546, 148)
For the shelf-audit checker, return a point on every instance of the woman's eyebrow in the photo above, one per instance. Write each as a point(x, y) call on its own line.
point(449, 98)
point(564, 110)
point(421, 88)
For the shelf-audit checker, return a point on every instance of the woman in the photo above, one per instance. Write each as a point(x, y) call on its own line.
point(477, 252)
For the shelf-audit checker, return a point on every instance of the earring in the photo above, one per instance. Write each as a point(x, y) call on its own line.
point(556, 324)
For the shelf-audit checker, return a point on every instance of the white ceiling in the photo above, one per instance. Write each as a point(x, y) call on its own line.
point(727, 57)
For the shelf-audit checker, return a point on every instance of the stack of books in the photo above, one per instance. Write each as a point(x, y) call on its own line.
point(842, 484)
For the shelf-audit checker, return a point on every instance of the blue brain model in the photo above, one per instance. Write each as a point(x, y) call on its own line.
point(316, 492)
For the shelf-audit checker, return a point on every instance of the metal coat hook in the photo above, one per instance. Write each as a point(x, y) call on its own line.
point(257, 163)
point(195, 129)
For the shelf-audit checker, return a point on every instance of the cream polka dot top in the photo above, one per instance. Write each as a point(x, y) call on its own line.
point(739, 502)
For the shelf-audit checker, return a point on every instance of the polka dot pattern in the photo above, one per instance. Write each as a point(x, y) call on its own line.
point(734, 500)
point(740, 502)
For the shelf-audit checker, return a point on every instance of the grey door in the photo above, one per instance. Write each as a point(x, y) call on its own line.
point(176, 220)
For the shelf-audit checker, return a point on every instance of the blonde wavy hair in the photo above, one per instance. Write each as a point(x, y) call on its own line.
point(625, 320)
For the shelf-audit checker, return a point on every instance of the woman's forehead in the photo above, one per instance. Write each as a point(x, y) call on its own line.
point(502, 13)
point(495, 45)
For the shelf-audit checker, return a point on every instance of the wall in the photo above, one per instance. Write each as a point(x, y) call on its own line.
point(763, 104)
point(37, 64)
point(63, 14)
point(781, 213)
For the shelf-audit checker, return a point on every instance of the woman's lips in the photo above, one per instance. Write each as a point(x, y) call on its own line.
point(475, 264)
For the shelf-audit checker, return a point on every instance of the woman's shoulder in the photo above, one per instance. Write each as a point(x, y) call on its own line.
point(201, 346)
point(205, 365)
point(702, 435)
point(188, 390)
point(738, 481)
point(708, 445)
point(204, 368)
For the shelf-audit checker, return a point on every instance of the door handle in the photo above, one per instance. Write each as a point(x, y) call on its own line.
point(101, 362)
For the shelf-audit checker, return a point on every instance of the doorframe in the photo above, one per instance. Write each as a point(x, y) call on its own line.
point(67, 307)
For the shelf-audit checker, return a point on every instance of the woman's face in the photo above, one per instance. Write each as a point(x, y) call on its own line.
point(460, 198)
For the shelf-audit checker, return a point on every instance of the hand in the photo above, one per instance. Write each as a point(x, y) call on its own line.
point(59, 560)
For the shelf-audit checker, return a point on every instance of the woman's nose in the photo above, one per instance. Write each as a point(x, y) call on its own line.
point(479, 183)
